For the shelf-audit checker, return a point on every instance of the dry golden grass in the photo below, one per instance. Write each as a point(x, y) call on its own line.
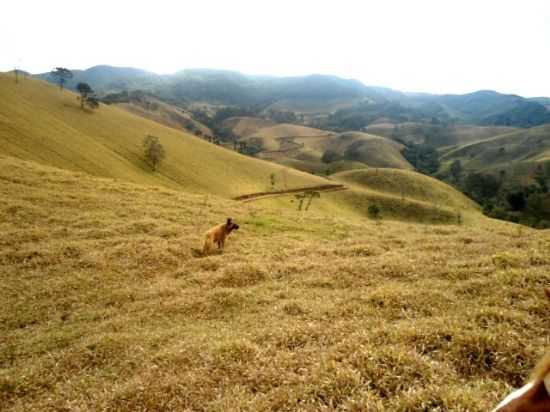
point(407, 185)
point(41, 124)
point(163, 113)
point(372, 150)
point(106, 307)
point(244, 126)
point(303, 147)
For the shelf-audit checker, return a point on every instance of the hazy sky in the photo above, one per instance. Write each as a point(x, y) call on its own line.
point(438, 46)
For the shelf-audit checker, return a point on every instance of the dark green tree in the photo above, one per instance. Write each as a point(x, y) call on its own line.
point(85, 92)
point(424, 158)
point(329, 156)
point(456, 170)
point(482, 187)
point(62, 75)
point(516, 200)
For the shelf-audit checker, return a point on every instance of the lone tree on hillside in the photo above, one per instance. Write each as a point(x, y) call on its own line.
point(154, 151)
point(62, 75)
point(86, 96)
point(456, 170)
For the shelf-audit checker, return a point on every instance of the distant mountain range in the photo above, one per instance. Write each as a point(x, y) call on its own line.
point(317, 95)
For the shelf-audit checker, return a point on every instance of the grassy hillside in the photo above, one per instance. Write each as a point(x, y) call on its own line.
point(39, 123)
point(107, 143)
point(400, 195)
point(451, 135)
point(407, 185)
point(245, 126)
point(148, 106)
point(270, 134)
point(106, 306)
point(167, 115)
point(374, 151)
point(517, 153)
point(303, 147)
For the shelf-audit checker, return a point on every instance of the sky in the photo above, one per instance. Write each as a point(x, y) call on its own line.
point(434, 46)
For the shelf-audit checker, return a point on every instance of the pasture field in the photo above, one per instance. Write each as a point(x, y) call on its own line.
point(107, 306)
point(41, 124)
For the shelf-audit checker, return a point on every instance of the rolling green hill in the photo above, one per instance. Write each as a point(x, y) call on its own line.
point(314, 150)
point(436, 135)
point(407, 185)
point(39, 123)
point(516, 153)
point(245, 126)
point(373, 151)
point(147, 105)
point(400, 195)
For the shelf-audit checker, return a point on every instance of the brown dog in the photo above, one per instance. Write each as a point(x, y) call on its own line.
point(217, 235)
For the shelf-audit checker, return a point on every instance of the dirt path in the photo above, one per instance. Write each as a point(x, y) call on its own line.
point(261, 195)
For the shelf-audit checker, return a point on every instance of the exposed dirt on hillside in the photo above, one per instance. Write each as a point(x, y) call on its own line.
point(320, 188)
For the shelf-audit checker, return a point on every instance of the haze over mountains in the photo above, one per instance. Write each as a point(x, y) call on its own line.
point(317, 94)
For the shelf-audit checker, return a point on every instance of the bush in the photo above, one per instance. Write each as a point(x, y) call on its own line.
point(516, 200)
point(329, 156)
point(154, 151)
point(374, 211)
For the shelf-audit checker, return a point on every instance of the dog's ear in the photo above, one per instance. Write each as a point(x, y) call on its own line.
point(228, 221)
point(547, 291)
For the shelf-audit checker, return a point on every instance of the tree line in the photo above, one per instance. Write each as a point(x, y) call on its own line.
point(528, 204)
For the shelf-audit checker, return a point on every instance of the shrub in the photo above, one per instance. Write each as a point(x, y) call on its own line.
point(374, 211)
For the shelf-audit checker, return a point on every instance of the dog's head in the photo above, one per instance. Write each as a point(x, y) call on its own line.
point(230, 225)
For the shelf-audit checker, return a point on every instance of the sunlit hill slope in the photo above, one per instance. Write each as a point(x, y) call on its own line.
point(106, 306)
point(40, 123)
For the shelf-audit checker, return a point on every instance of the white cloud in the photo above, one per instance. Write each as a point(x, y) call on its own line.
point(432, 46)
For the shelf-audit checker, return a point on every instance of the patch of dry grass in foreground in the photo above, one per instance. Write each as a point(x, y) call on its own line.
point(105, 307)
